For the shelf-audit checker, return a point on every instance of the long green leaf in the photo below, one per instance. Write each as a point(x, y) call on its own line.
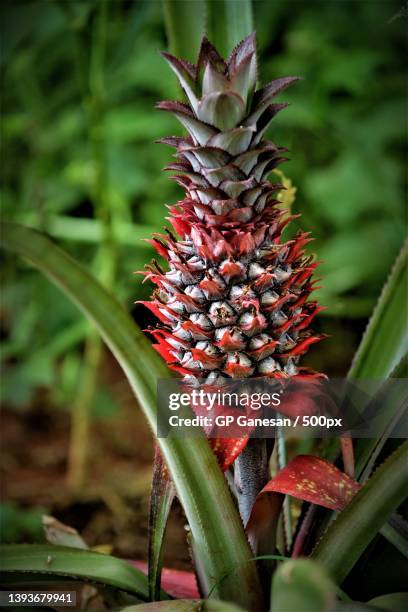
point(66, 561)
point(349, 535)
point(76, 229)
point(184, 22)
point(385, 340)
point(200, 485)
point(393, 398)
point(228, 22)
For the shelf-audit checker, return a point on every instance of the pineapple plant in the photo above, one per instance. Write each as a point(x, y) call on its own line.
point(234, 302)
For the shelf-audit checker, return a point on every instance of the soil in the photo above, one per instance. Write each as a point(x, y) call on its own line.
point(111, 508)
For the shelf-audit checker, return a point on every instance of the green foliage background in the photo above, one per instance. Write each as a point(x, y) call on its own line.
point(79, 161)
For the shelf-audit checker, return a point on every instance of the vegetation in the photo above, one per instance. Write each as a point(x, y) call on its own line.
point(80, 80)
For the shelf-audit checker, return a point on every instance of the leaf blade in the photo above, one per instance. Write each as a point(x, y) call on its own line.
point(66, 561)
point(360, 521)
point(314, 480)
point(385, 340)
point(161, 499)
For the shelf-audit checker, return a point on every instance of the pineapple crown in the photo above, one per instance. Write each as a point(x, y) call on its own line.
point(222, 95)
point(224, 162)
point(235, 300)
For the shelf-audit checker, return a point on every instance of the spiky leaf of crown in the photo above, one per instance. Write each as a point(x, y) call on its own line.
point(235, 300)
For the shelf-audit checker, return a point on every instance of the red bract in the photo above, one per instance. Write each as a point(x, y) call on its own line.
point(314, 480)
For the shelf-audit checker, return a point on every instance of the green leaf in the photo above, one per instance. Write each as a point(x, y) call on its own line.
point(394, 602)
point(385, 340)
point(223, 109)
point(392, 398)
point(302, 585)
point(349, 535)
point(88, 230)
point(207, 502)
point(396, 532)
point(228, 22)
point(18, 523)
point(184, 26)
point(65, 561)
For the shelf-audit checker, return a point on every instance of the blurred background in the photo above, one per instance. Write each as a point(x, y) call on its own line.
point(79, 82)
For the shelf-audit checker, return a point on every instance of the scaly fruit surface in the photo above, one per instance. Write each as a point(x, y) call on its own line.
point(234, 301)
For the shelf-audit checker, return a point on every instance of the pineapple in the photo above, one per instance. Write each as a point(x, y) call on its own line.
point(234, 302)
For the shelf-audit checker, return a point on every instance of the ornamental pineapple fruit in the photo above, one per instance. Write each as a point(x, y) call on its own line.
point(234, 302)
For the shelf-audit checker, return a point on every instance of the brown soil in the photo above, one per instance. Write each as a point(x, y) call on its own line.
point(112, 507)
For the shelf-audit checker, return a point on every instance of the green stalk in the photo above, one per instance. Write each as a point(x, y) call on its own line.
point(80, 417)
point(350, 534)
point(184, 22)
point(201, 487)
point(228, 22)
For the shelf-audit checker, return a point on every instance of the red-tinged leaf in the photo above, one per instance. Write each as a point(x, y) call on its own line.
point(314, 480)
point(228, 449)
point(263, 95)
point(159, 310)
point(165, 350)
point(236, 370)
point(303, 346)
point(180, 584)
point(261, 527)
point(161, 498)
point(174, 106)
point(306, 395)
point(210, 361)
point(229, 342)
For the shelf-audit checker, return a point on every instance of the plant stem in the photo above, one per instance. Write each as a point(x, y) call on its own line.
point(80, 420)
point(287, 511)
point(347, 452)
point(304, 530)
point(228, 22)
point(184, 22)
point(251, 475)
